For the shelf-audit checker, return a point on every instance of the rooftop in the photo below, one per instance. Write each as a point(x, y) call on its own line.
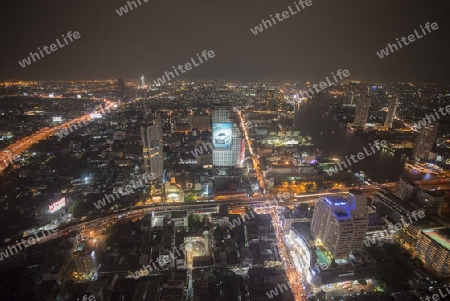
point(178, 214)
point(441, 236)
point(335, 201)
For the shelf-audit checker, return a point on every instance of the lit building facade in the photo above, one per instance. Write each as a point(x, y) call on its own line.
point(351, 91)
point(406, 190)
point(280, 100)
point(310, 261)
point(432, 201)
point(362, 110)
point(152, 147)
point(341, 223)
point(425, 141)
point(391, 113)
point(433, 248)
point(226, 146)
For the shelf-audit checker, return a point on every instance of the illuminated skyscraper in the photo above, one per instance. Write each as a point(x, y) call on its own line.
point(121, 90)
point(152, 147)
point(341, 223)
point(425, 141)
point(280, 100)
point(391, 113)
point(362, 110)
point(270, 100)
point(226, 146)
point(351, 91)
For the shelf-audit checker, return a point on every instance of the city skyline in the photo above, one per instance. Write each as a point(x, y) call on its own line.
point(230, 151)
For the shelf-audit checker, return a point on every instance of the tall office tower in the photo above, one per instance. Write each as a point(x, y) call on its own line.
point(347, 95)
point(259, 96)
point(226, 146)
point(351, 90)
point(280, 100)
point(151, 134)
point(391, 113)
point(362, 109)
point(121, 90)
point(341, 223)
point(406, 190)
point(270, 102)
point(425, 141)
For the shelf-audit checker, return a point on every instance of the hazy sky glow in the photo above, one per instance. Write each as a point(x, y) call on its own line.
point(159, 34)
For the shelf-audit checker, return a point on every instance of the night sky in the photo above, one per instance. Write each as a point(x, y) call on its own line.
point(150, 39)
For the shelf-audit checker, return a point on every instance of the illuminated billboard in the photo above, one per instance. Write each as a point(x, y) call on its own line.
point(57, 119)
point(222, 134)
point(57, 205)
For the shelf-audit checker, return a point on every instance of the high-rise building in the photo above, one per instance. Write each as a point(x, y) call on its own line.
point(406, 190)
point(341, 223)
point(226, 146)
point(425, 141)
point(280, 100)
point(121, 90)
point(362, 109)
point(152, 146)
point(270, 100)
point(391, 113)
point(432, 200)
point(350, 92)
point(259, 96)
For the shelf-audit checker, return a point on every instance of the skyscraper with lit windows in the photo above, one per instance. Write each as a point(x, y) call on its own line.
point(152, 147)
point(362, 110)
point(425, 142)
point(226, 146)
point(340, 224)
point(391, 113)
